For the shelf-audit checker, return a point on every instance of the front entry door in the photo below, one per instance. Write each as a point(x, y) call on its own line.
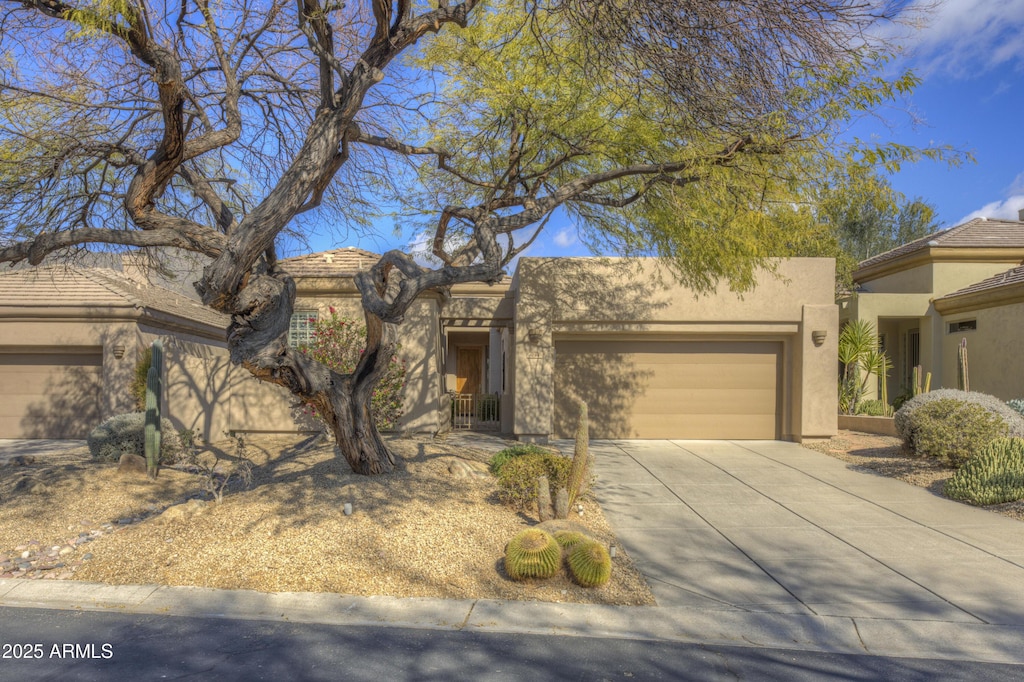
point(469, 369)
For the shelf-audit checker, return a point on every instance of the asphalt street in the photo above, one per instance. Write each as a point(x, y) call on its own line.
point(84, 645)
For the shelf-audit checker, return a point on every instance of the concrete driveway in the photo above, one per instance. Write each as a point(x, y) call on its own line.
point(766, 526)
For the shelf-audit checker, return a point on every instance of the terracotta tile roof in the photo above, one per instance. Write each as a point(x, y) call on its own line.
point(977, 233)
point(345, 261)
point(71, 286)
point(1003, 279)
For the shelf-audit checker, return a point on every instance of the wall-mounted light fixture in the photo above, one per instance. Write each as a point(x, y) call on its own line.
point(534, 335)
point(119, 351)
point(818, 336)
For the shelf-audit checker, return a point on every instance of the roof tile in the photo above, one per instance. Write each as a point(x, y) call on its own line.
point(1003, 279)
point(63, 286)
point(346, 261)
point(976, 233)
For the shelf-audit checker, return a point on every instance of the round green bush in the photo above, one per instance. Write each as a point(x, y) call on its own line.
point(995, 475)
point(532, 553)
point(126, 433)
point(953, 431)
point(510, 453)
point(517, 478)
point(590, 564)
point(904, 421)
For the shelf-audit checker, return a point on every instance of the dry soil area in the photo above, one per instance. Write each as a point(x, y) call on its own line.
point(434, 528)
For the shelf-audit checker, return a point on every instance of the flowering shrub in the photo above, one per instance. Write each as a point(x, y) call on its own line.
point(338, 342)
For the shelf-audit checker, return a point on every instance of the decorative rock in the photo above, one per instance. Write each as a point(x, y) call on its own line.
point(87, 556)
point(64, 551)
point(183, 512)
point(39, 489)
point(131, 465)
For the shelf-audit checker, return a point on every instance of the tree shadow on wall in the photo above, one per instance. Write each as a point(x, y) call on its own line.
point(590, 301)
point(69, 402)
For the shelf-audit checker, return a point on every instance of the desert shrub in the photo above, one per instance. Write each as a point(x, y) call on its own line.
point(499, 459)
point(953, 431)
point(126, 433)
point(905, 423)
point(993, 476)
point(871, 408)
point(1017, 405)
point(517, 478)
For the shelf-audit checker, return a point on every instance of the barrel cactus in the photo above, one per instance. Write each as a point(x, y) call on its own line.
point(567, 539)
point(590, 564)
point(532, 553)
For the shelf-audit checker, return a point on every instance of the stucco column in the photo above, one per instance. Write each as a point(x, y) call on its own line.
point(819, 374)
point(118, 372)
point(534, 374)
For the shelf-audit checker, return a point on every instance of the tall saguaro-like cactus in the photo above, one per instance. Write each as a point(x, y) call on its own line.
point(962, 379)
point(154, 386)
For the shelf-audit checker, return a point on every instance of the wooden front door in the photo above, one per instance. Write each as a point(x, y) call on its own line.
point(469, 369)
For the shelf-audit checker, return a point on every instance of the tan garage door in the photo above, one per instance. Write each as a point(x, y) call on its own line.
point(50, 395)
point(660, 389)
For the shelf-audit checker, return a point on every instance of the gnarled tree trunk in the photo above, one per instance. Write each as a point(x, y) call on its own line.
point(258, 341)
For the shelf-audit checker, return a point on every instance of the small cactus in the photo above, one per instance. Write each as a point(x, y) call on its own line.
point(532, 553)
point(580, 460)
point(154, 386)
point(568, 539)
point(590, 564)
point(543, 499)
point(963, 381)
point(993, 476)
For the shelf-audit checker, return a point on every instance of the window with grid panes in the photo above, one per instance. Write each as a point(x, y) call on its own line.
point(300, 330)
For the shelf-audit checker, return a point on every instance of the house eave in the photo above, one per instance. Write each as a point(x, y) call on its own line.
point(937, 254)
point(989, 298)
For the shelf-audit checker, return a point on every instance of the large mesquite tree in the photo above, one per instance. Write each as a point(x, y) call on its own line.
point(665, 127)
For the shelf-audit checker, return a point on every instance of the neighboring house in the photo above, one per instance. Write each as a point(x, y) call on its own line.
point(651, 359)
point(69, 341)
point(926, 296)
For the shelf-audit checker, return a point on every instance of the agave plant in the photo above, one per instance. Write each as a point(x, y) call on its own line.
point(861, 359)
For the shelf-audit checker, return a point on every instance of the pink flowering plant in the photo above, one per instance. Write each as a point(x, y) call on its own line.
point(337, 342)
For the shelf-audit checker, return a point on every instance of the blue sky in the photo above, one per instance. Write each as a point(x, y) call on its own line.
point(970, 57)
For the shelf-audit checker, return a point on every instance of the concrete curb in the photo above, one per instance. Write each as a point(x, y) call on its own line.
point(804, 632)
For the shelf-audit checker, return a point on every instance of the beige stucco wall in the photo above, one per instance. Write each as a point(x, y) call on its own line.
point(994, 357)
point(208, 393)
point(614, 298)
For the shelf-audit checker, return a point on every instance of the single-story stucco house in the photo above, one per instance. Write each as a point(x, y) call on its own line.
point(651, 358)
point(926, 296)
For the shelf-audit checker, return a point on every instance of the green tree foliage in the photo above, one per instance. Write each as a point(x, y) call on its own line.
point(682, 130)
point(869, 217)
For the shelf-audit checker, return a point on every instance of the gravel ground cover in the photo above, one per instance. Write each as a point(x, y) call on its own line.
point(434, 528)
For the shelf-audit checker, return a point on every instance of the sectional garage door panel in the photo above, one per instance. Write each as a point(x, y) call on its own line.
point(50, 395)
point(660, 389)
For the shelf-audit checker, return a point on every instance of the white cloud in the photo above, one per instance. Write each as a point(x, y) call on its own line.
point(964, 36)
point(998, 210)
point(565, 237)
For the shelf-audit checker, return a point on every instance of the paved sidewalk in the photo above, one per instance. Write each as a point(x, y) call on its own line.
point(744, 543)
